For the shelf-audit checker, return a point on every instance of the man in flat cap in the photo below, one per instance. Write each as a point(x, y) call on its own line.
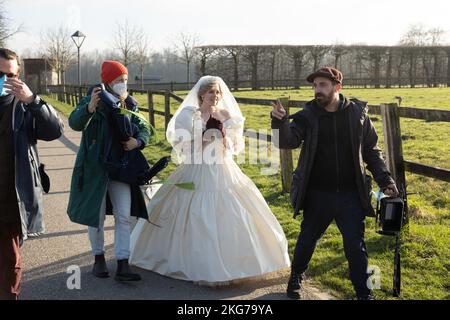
point(330, 182)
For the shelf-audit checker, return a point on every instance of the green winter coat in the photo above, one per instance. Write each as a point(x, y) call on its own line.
point(90, 178)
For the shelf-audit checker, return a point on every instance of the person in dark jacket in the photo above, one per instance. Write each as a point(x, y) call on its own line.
point(24, 118)
point(336, 137)
point(94, 192)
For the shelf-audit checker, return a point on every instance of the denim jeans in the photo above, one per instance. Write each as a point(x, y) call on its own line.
point(120, 196)
point(320, 210)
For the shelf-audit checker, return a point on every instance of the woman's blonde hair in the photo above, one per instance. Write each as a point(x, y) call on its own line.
point(207, 86)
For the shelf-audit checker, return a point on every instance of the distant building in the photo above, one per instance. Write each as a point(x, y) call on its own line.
point(38, 75)
point(148, 79)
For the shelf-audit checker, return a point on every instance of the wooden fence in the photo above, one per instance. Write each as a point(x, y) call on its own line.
point(390, 114)
point(268, 84)
point(284, 84)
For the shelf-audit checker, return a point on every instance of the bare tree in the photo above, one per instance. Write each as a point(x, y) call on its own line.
point(142, 55)
point(234, 52)
point(58, 50)
point(186, 44)
point(435, 36)
point(390, 57)
point(204, 54)
point(419, 40)
point(272, 53)
point(374, 55)
point(317, 53)
point(338, 51)
point(126, 40)
point(363, 64)
point(297, 54)
point(447, 51)
point(6, 32)
point(401, 54)
point(411, 39)
point(416, 35)
point(252, 55)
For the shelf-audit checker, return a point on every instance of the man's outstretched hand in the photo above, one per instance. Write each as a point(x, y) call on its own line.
point(278, 111)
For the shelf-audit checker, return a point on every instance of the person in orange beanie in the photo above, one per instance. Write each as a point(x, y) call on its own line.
point(95, 191)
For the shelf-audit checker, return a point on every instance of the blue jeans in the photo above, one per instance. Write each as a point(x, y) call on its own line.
point(320, 210)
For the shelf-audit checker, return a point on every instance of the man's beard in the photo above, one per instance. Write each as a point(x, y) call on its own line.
point(324, 100)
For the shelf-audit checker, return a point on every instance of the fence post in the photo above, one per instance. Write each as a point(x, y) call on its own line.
point(60, 93)
point(393, 146)
point(72, 99)
point(166, 109)
point(72, 96)
point(64, 94)
point(151, 108)
point(286, 162)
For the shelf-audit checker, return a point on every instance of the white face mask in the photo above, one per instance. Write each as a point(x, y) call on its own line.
point(120, 88)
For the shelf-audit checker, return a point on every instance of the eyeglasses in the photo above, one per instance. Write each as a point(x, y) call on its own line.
point(8, 75)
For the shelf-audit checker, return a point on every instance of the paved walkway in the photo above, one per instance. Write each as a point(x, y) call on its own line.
point(47, 258)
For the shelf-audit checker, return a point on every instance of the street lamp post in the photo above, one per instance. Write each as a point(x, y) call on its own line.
point(78, 38)
point(45, 75)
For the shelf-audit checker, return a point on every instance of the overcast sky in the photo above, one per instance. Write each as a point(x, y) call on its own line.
point(231, 21)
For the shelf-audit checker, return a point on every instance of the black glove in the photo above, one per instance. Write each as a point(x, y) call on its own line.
point(213, 123)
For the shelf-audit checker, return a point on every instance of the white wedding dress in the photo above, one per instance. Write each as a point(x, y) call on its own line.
point(221, 231)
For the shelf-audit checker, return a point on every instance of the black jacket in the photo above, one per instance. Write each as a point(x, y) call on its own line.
point(303, 131)
point(333, 167)
point(32, 122)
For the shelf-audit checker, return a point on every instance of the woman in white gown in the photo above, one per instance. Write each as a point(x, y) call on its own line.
point(223, 230)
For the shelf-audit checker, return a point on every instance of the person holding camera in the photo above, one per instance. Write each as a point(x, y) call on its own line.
point(24, 119)
point(94, 192)
point(336, 137)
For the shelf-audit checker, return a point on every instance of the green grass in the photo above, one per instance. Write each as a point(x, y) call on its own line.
point(425, 251)
point(62, 108)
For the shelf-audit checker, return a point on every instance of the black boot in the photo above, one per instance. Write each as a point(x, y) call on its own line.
point(294, 285)
point(124, 272)
point(100, 269)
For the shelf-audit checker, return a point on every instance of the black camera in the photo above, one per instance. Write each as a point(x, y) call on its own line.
point(390, 218)
point(106, 97)
point(390, 215)
point(154, 170)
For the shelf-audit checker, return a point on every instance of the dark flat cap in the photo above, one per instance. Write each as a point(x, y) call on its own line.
point(327, 72)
